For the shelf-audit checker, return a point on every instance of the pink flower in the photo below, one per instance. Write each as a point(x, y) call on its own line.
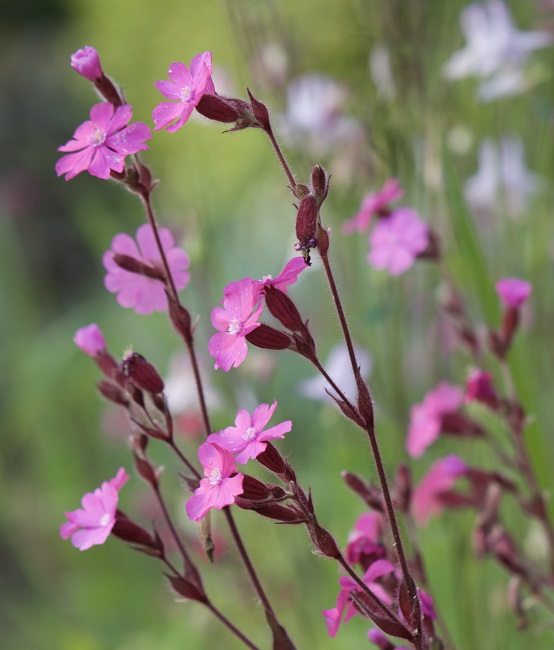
point(373, 204)
point(397, 240)
point(364, 541)
point(90, 340)
point(87, 63)
point(101, 144)
point(426, 418)
point(140, 292)
point(479, 387)
point(513, 292)
point(426, 497)
point(248, 438)
point(289, 275)
point(333, 617)
point(92, 524)
point(221, 485)
point(187, 87)
point(234, 320)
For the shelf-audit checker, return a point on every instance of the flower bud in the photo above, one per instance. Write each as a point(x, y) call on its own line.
point(254, 490)
point(133, 265)
point(260, 112)
point(112, 392)
point(269, 338)
point(186, 588)
point(320, 184)
point(306, 220)
point(141, 373)
point(90, 340)
point(87, 63)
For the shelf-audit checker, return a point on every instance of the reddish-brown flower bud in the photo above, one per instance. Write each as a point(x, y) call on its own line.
point(141, 373)
point(458, 424)
point(180, 318)
point(133, 265)
point(112, 392)
point(324, 542)
point(147, 471)
point(368, 493)
point(132, 533)
point(284, 514)
point(306, 220)
point(107, 364)
point(284, 310)
point(217, 108)
point(260, 112)
point(320, 184)
point(269, 338)
point(186, 588)
point(272, 459)
point(254, 490)
point(403, 487)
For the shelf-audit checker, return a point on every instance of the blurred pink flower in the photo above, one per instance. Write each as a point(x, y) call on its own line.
point(426, 418)
point(479, 387)
point(92, 524)
point(187, 87)
point(234, 320)
point(101, 144)
point(87, 63)
point(334, 616)
point(142, 293)
point(426, 497)
point(365, 540)
point(397, 240)
point(248, 437)
point(513, 292)
point(373, 204)
point(221, 485)
point(90, 340)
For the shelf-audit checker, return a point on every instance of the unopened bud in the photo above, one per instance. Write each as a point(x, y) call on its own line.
point(180, 318)
point(132, 533)
point(141, 373)
point(147, 471)
point(131, 264)
point(306, 220)
point(112, 392)
point(260, 112)
point(403, 487)
point(324, 542)
point(254, 489)
point(320, 183)
point(186, 588)
point(269, 338)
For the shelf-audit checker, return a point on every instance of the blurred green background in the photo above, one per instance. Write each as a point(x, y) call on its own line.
point(226, 199)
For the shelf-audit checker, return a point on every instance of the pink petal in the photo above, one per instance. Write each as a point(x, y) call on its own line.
point(120, 119)
point(74, 163)
point(168, 89)
point(179, 74)
point(101, 114)
point(186, 110)
point(165, 113)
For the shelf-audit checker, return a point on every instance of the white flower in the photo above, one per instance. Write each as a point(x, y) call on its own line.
point(496, 51)
point(501, 170)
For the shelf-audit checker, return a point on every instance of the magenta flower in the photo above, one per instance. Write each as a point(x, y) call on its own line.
point(187, 87)
point(397, 240)
point(426, 418)
point(513, 292)
point(90, 340)
point(140, 292)
point(248, 437)
point(365, 540)
point(334, 617)
point(92, 524)
point(101, 144)
point(234, 320)
point(87, 63)
point(221, 485)
point(289, 275)
point(372, 204)
point(427, 496)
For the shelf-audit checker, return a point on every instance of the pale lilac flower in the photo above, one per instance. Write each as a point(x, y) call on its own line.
point(365, 540)
point(87, 63)
point(426, 497)
point(496, 51)
point(513, 292)
point(180, 386)
point(334, 616)
point(90, 340)
point(140, 292)
point(381, 73)
point(238, 317)
point(339, 368)
point(501, 176)
point(314, 103)
point(397, 240)
point(426, 418)
point(248, 438)
point(101, 144)
point(92, 524)
point(187, 87)
point(373, 204)
point(221, 485)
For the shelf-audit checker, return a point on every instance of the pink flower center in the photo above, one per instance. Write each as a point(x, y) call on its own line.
point(105, 519)
point(99, 136)
point(249, 434)
point(215, 477)
point(235, 326)
point(186, 94)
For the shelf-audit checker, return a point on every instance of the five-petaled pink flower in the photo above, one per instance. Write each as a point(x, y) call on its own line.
point(334, 617)
point(426, 418)
point(513, 292)
point(221, 485)
point(397, 240)
point(90, 340)
point(142, 293)
point(101, 144)
point(373, 204)
point(92, 524)
point(234, 320)
point(187, 87)
point(427, 497)
point(248, 437)
point(87, 63)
